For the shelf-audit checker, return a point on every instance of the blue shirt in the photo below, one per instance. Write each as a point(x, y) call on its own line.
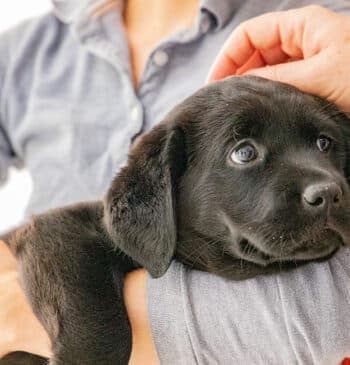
point(68, 108)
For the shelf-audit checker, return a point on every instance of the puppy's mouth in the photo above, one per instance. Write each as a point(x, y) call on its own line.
point(248, 252)
point(264, 245)
point(263, 254)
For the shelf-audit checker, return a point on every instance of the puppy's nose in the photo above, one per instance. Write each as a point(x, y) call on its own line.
point(321, 196)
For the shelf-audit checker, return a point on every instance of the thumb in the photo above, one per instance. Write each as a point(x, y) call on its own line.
point(307, 75)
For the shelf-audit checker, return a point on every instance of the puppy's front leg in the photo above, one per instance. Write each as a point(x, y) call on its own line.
point(74, 284)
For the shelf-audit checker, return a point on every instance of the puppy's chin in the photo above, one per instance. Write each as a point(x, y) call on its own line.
point(265, 244)
point(264, 253)
point(245, 250)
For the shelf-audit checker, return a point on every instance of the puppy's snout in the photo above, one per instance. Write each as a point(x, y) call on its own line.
point(321, 196)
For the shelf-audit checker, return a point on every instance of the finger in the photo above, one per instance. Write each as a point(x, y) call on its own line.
point(274, 56)
point(222, 67)
point(249, 37)
point(255, 61)
point(299, 73)
point(263, 58)
point(277, 36)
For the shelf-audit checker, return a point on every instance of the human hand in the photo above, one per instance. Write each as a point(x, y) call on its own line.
point(307, 47)
point(19, 329)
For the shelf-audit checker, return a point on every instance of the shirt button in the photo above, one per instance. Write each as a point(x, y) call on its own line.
point(134, 113)
point(160, 58)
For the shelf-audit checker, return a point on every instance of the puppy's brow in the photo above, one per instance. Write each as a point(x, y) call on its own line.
point(304, 162)
point(246, 126)
point(321, 126)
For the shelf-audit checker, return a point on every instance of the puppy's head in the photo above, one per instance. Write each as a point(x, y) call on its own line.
point(252, 169)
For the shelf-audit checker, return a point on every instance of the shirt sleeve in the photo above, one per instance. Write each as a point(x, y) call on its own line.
point(300, 317)
point(8, 156)
point(296, 317)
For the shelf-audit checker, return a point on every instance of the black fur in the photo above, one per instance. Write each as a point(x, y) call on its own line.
point(180, 196)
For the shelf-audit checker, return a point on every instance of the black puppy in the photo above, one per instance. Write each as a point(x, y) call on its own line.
point(245, 177)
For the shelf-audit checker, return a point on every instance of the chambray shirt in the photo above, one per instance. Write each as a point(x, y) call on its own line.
point(68, 108)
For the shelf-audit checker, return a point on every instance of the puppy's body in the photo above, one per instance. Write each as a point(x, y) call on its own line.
point(236, 181)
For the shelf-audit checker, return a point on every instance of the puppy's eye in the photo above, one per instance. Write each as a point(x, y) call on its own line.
point(243, 154)
point(324, 143)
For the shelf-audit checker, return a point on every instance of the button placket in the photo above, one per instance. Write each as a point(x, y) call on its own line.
point(105, 50)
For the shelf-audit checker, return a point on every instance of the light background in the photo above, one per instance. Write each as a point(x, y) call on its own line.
point(15, 193)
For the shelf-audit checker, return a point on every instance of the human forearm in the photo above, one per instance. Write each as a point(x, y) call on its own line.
point(143, 349)
point(19, 329)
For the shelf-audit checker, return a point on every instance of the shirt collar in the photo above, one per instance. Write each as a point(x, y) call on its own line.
point(69, 10)
point(221, 10)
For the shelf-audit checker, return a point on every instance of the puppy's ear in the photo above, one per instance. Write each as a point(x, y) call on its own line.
point(140, 206)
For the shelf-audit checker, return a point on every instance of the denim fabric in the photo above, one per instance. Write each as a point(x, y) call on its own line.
point(295, 318)
point(69, 111)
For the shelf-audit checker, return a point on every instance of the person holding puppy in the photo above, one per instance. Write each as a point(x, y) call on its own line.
point(308, 48)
